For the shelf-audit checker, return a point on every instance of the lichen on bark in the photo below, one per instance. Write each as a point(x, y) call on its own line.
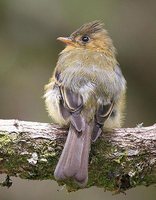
point(119, 160)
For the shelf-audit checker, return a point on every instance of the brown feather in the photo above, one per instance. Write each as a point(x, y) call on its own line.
point(88, 28)
point(73, 162)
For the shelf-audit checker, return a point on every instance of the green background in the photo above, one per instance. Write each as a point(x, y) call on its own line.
point(29, 52)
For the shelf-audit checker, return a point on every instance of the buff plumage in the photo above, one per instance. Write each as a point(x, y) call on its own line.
point(87, 94)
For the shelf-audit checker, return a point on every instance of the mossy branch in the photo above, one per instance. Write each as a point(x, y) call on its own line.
point(119, 160)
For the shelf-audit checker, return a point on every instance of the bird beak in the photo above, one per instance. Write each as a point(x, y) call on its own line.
point(66, 40)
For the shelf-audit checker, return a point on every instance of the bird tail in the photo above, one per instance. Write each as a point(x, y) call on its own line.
point(73, 162)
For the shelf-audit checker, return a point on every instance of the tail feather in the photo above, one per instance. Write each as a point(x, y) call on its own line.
point(82, 175)
point(73, 162)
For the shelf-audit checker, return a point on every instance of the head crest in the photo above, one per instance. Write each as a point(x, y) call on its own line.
point(89, 28)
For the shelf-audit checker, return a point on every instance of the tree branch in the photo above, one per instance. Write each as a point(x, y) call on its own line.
point(119, 160)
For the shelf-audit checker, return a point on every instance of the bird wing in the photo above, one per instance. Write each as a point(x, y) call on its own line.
point(70, 106)
point(73, 162)
point(102, 114)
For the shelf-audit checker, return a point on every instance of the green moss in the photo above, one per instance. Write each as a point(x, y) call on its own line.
point(4, 139)
point(110, 167)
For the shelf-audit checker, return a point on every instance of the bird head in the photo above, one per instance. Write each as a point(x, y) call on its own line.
point(90, 36)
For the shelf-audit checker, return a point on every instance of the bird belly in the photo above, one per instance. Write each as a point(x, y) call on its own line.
point(52, 100)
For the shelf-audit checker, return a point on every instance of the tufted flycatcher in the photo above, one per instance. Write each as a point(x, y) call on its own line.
point(87, 94)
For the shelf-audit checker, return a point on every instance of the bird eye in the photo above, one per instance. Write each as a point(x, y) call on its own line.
point(85, 38)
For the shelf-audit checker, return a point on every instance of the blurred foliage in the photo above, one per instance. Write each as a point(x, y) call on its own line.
point(29, 51)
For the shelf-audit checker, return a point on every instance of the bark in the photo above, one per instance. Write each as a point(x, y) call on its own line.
point(119, 160)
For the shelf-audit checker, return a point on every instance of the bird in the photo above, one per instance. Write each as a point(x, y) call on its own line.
point(86, 94)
